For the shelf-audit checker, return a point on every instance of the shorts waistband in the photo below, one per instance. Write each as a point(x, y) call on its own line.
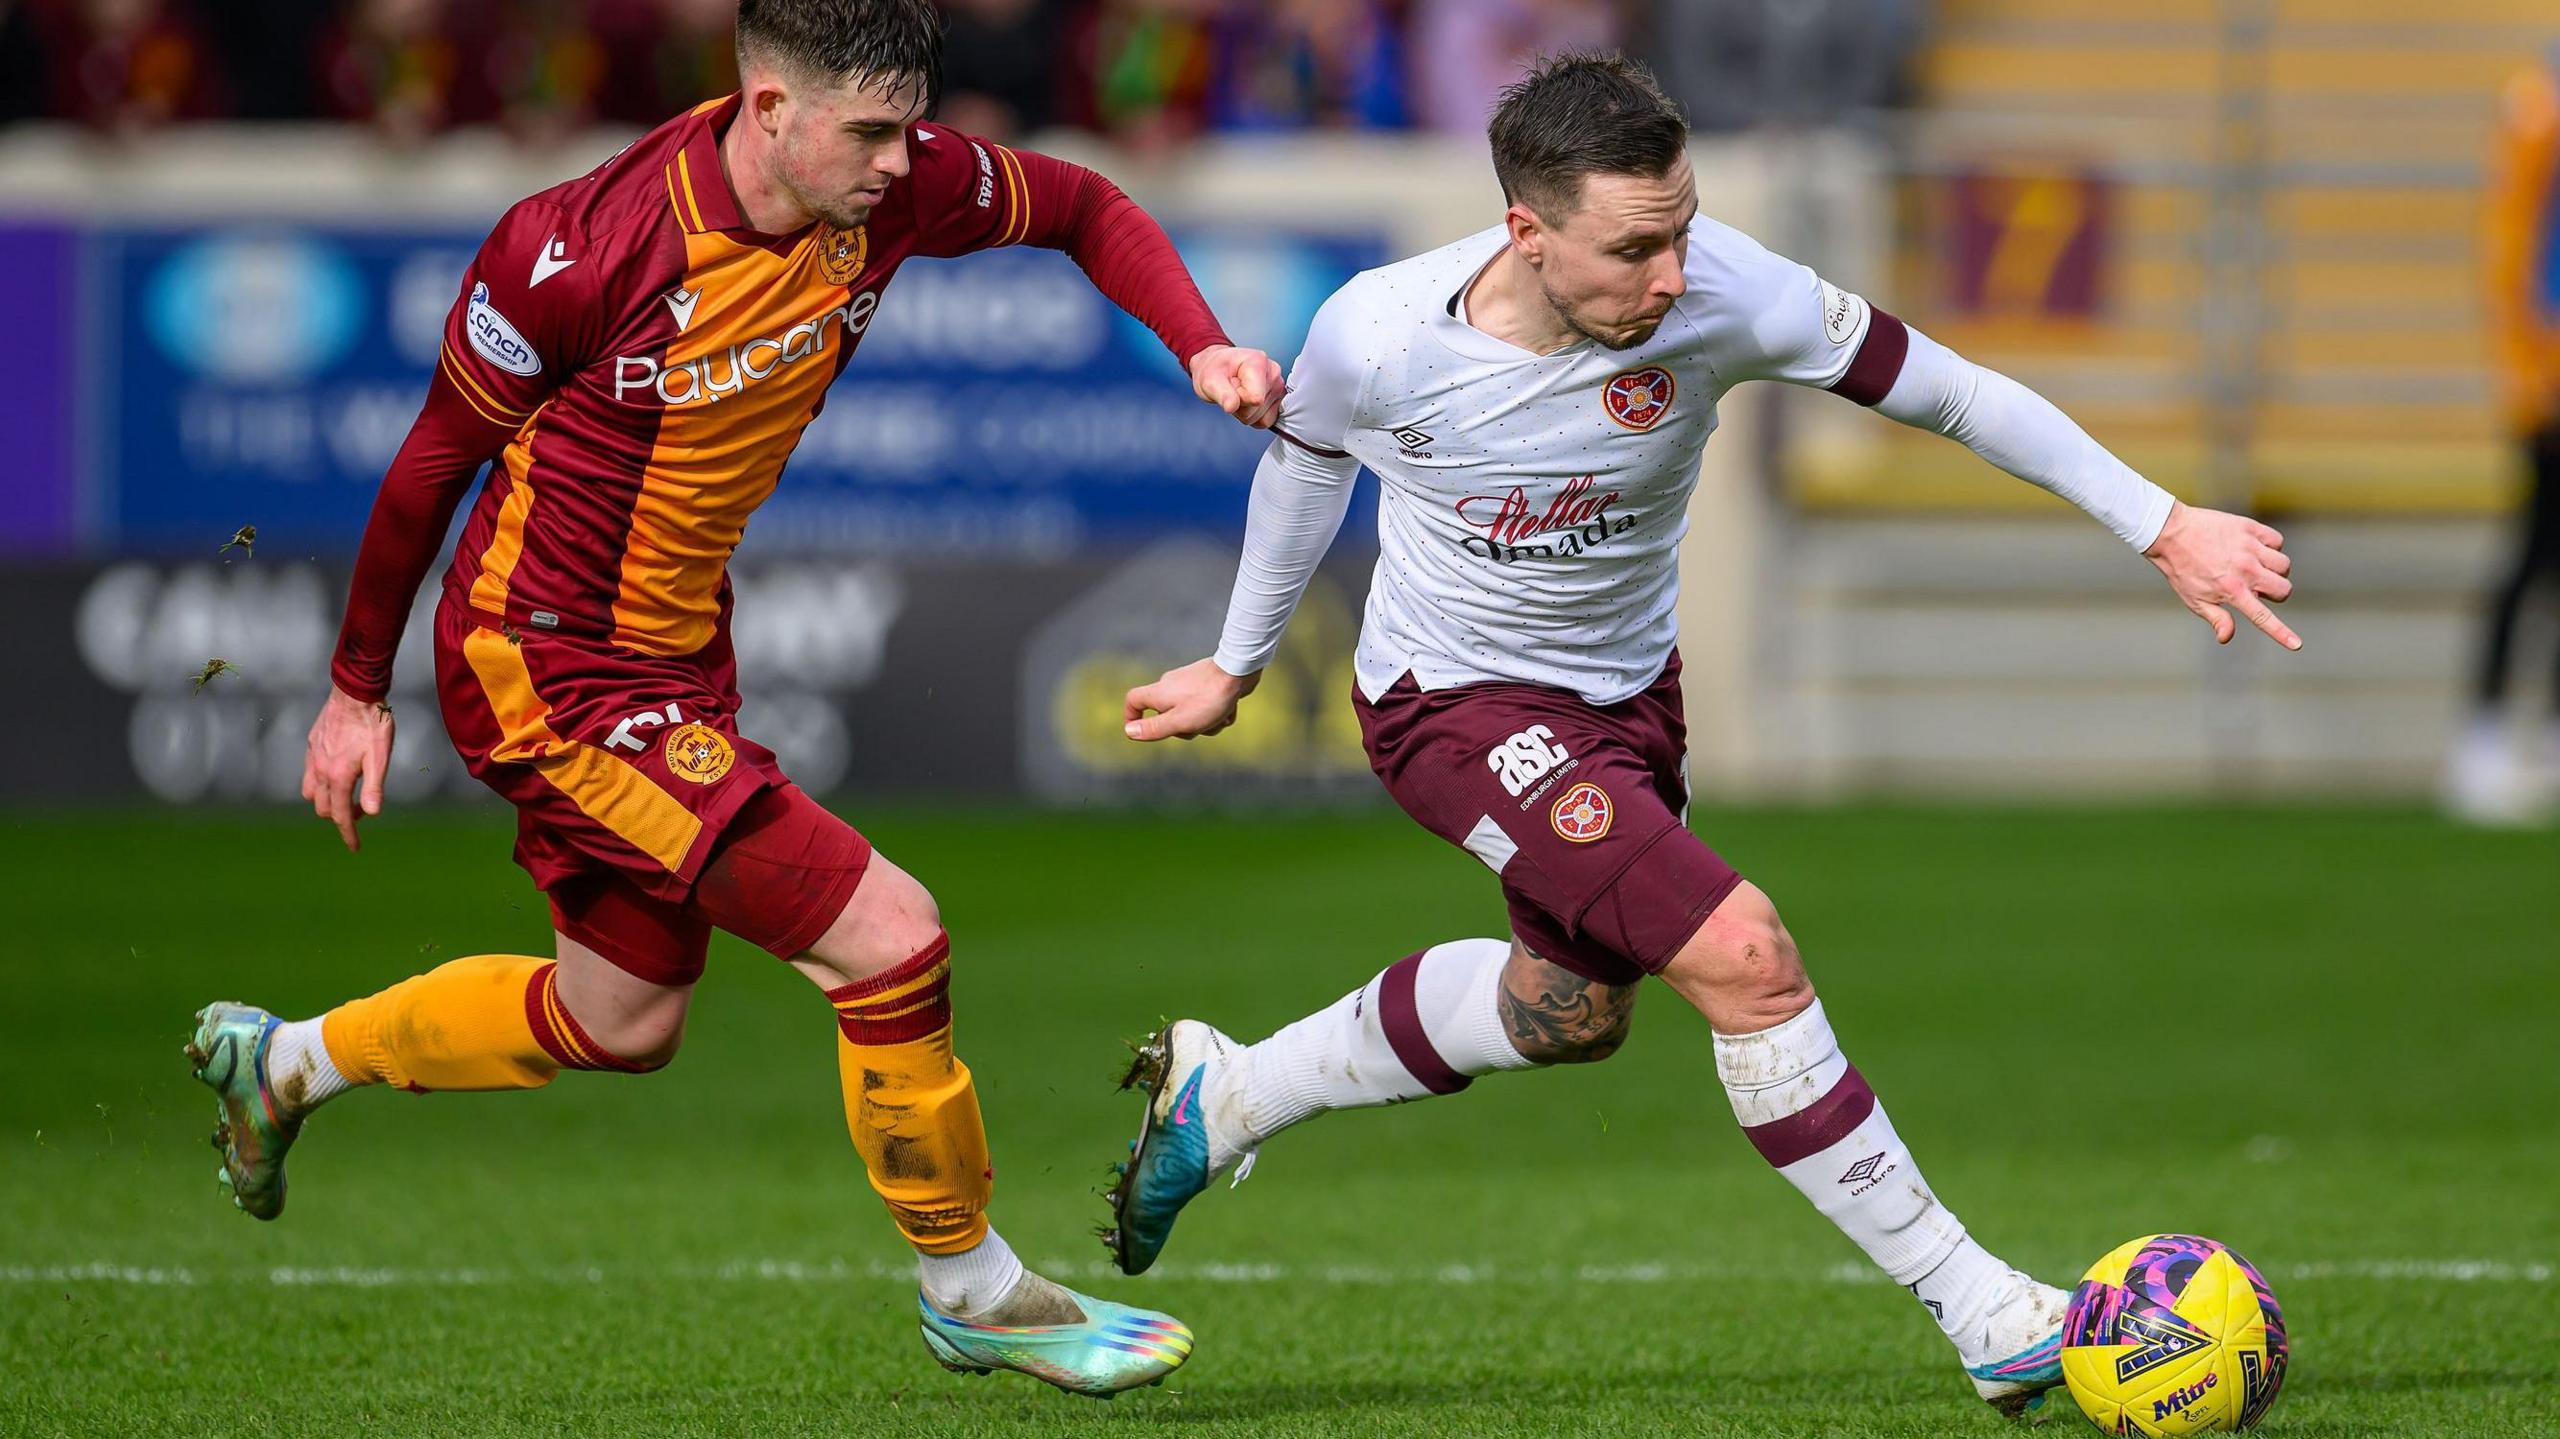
point(518, 628)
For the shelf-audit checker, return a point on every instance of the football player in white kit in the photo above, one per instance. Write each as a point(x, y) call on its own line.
point(1534, 399)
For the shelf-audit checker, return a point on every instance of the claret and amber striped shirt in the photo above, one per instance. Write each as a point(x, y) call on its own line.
point(635, 366)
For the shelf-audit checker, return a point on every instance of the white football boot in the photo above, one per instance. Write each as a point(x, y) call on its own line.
point(2015, 1357)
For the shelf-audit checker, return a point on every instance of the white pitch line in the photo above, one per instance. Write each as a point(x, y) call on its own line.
point(797, 1271)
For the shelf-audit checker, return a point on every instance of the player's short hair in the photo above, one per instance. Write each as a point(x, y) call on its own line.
point(1578, 114)
point(879, 44)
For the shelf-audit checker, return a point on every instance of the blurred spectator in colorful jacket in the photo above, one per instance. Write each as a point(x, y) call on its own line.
point(548, 68)
point(123, 65)
point(1001, 65)
point(1306, 64)
point(405, 66)
point(1466, 51)
point(1148, 65)
point(661, 56)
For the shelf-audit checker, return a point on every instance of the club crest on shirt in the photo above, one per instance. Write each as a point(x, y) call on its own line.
point(843, 253)
point(1638, 399)
point(699, 753)
point(1583, 815)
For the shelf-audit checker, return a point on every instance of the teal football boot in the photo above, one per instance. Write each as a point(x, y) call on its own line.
point(1178, 1151)
point(229, 1052)
point(1111, 1348)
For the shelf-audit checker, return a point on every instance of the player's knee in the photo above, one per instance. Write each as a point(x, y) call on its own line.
point(647, 1049)
point(644, 1036)
point(890, 919)
point(1741, 968)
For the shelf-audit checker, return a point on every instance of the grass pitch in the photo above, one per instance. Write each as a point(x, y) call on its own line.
point(2324, 1037)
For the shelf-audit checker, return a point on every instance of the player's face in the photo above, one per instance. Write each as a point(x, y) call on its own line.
point(837, 150)
point(1613, 265)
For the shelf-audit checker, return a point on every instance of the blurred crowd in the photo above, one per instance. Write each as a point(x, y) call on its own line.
point(1147, 72)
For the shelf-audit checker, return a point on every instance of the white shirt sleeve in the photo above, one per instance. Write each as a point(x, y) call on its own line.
point(1806, 331)
point(1802, 328)
point(1301, 490)
point(2025, 434)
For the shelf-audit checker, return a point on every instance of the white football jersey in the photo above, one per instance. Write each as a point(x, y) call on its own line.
point(1531, 506)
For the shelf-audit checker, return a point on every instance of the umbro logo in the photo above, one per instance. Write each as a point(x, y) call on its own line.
point(1864, 1170)
point(680, 302)
point(1411, 440)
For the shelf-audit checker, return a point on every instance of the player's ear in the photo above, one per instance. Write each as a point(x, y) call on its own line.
point(1528, 233)
point(764, 99)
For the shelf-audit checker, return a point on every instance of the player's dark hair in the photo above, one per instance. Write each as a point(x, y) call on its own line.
point(882, 44)
point(1578, 114)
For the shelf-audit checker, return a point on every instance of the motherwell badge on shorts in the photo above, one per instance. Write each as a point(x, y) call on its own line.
point(699, 753)
point(843, 253)
point(1583, 814)
point(1638, 399)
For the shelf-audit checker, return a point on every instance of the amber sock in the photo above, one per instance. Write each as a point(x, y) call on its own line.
point(910, 1105)
point(492, 1021)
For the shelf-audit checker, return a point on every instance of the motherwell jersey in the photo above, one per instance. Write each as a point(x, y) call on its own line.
point(639, 363)
point(658, 361)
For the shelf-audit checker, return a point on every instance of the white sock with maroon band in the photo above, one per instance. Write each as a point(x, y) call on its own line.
point(1810, 1114)
point(1425, 1025)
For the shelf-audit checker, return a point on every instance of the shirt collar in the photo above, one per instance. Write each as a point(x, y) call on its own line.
point(697, 187)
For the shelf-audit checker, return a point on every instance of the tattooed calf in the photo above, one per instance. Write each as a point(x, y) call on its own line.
point(1555, 1016)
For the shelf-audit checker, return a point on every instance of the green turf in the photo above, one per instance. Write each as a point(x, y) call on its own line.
point(2326, 1037)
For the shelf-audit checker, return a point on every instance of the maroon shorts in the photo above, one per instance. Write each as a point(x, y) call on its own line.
point(640, 810)
point(1579, 808)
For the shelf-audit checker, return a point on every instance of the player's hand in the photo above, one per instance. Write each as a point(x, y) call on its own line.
point(1197, 699)
point(344, 761)
point(2214, 559)
point(1245, 383)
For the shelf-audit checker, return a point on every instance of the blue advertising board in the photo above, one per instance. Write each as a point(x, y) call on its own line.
point(999, 405)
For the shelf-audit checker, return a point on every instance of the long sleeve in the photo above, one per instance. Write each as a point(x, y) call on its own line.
point(1806, 331)
point(427, 480)
point(973, 194)
point(1121, 247)
point(2023, 433)
point(526, 317)
point(1301, 491)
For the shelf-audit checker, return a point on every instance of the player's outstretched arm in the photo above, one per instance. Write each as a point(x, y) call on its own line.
point(985, 194)
point(1301, 491)
point(2212, 559)
point(1807, 332)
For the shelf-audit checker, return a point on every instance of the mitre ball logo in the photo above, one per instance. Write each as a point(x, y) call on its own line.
point(699, 753)
point(1638, 399)
point(843, 253)
point(1583, 814)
